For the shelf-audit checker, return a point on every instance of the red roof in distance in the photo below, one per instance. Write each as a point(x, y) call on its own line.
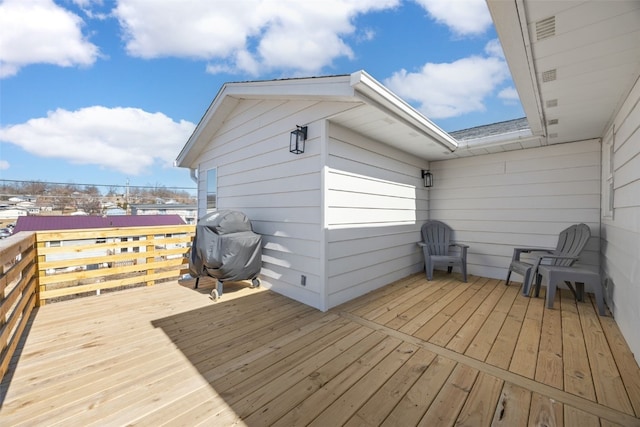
point(60, 222)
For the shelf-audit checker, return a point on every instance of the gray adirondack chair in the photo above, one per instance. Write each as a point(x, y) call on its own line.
point(436, 245)
point(571, 242)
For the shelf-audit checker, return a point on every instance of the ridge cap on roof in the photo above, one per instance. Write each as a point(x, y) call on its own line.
point(324, 76)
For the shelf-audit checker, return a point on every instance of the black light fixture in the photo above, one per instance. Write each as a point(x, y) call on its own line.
point(427, 177)
point(298, 137)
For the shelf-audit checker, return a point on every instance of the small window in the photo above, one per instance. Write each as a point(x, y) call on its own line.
point(212, 189)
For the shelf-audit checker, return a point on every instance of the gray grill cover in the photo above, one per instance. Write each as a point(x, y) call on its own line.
point(225, 247)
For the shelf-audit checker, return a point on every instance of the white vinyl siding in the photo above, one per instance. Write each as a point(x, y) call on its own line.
point(375, 205)
point(523, 198)
point(621, 232)
point(279, 191)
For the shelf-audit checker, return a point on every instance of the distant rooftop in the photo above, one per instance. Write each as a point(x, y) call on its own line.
point(174, 206)
point(59, 222)
point(491, 129)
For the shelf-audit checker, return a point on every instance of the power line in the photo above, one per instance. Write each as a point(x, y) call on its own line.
point(96, 185)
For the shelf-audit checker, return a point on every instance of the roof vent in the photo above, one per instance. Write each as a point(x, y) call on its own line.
point(552, 122)
point(549, 76)
point(546, 28)
point(552, 103)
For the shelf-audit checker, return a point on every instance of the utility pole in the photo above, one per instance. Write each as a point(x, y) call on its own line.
point(126, 197)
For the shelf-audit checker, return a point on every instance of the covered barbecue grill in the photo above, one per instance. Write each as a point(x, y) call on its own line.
point(226, 248)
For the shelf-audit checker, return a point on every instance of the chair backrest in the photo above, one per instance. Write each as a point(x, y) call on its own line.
point(437, 236)
point(571, 242)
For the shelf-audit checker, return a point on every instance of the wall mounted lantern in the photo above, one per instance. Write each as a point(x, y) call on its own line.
point(297, 139)
point(427, 178)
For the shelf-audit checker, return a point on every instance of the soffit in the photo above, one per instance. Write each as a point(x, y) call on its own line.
point(586, 57)
point(384, 127)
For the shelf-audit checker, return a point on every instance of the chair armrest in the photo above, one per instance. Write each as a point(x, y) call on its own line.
point(534, 269)
point(518, 251)
point(463, 249)
point(424, 247)
point(574, 258)
point(460, 245)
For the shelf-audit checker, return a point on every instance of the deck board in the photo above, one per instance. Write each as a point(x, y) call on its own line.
point(577, 373)
point(415, 352)
point(549, 368)
point(513, 407)
point(502, 349)
point(486, 336)
point(608, 385)
point(380, 405)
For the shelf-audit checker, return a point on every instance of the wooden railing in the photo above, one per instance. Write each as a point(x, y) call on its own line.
point(18, 276)
point(48, 266)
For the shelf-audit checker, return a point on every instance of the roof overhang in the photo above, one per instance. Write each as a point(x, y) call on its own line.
point(376, 113)
point(379, 96)
point(573, 63)
point(510, 23)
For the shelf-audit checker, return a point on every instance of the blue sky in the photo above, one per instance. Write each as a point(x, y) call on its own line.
point(101, 92)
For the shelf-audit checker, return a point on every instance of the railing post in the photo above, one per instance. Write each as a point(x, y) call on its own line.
point(151, 258)
point(39, 273)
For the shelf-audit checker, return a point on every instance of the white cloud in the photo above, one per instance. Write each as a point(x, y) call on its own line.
point(450, 89)
point(248, 35)
point(494, 48)
point(4, 165)
point(128, 140)
point(39, 31)
point(90, 8)
point(87, 3)
point(509, 95)
point(463, 17)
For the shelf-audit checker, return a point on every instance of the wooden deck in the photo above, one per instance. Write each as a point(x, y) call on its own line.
point(413, 353)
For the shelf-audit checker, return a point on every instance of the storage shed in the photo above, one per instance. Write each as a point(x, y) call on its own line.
point(340, 219)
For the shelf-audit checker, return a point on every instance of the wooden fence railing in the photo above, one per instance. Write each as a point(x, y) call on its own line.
point(76, 262)
point(18, 276)
point(47, 266)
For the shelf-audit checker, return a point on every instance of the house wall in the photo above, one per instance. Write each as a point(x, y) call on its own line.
point(375, 205)
point(522, 198)
point(279, 191)
point(620, 248)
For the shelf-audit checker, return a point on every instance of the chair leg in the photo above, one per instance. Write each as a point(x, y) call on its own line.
point(538, 278)
point(506, 282)
point(551, 292)
point(579, 291)
point(597, 292)
point(526, 282)
point(428, 269)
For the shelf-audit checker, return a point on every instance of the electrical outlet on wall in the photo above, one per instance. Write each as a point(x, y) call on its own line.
point(303, 280)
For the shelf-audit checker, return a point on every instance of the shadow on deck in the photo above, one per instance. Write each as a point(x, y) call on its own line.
point(412, 353)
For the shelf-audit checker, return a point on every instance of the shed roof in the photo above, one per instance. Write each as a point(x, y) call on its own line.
point(60, 222)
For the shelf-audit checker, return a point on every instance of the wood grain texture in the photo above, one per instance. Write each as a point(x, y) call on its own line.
point(168, 355)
